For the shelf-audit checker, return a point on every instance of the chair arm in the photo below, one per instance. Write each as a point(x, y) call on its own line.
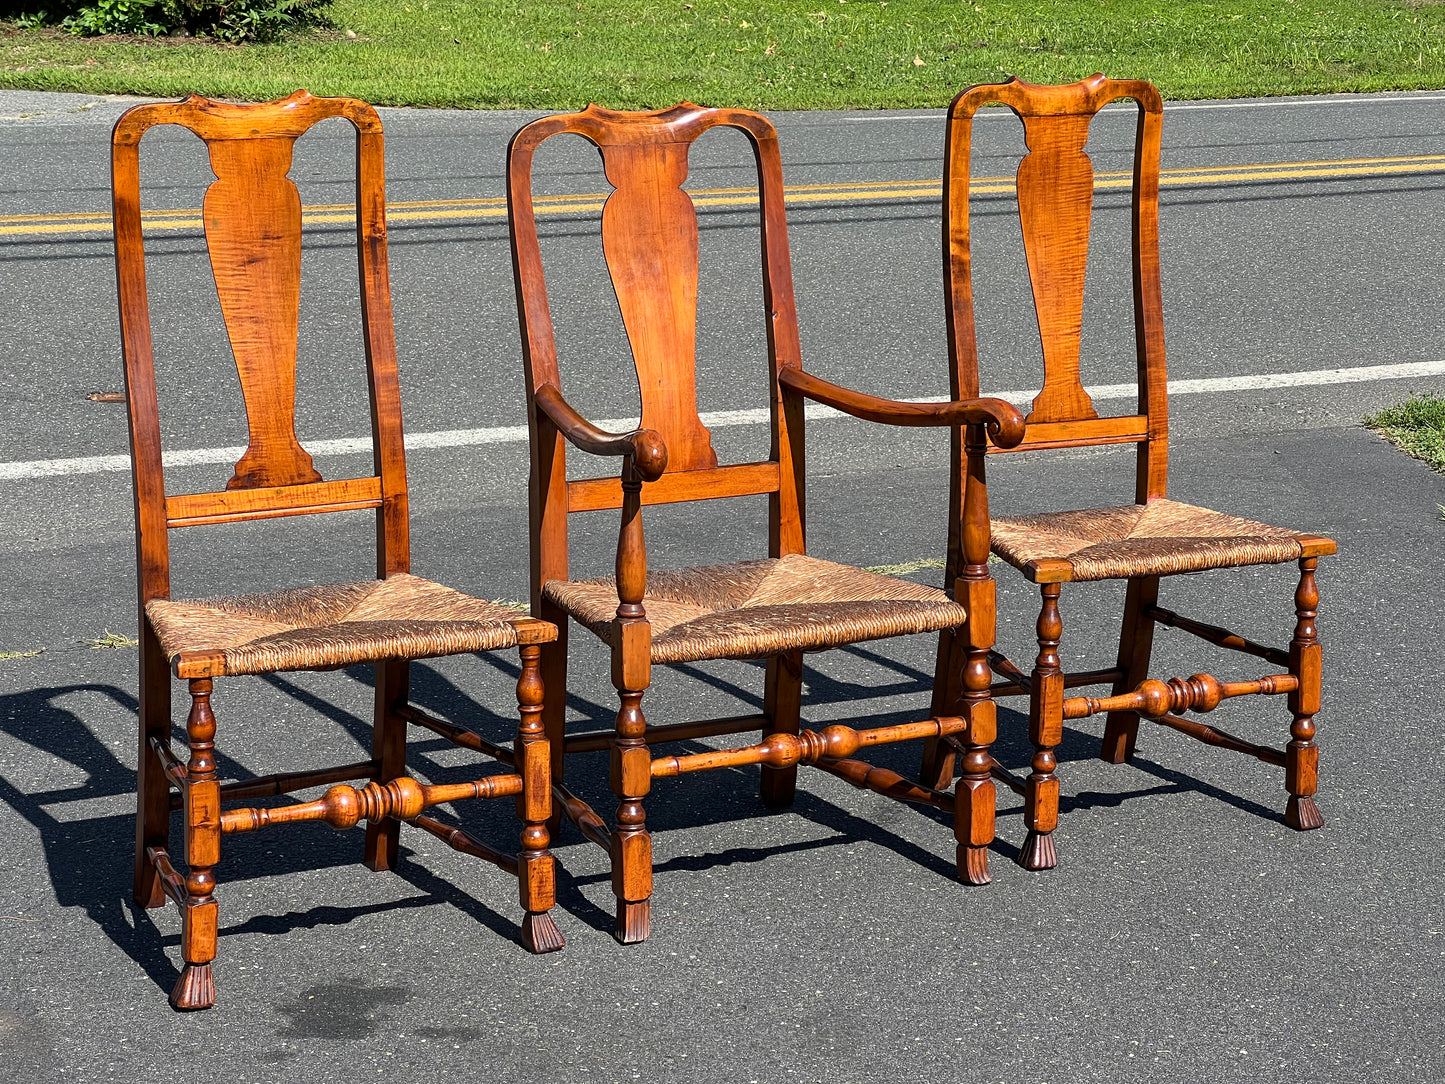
point(1005, 423)
point(644, 446)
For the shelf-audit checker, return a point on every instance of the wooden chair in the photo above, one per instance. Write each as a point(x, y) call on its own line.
point(774, 608)
point(1141, 542)
point(253, 232)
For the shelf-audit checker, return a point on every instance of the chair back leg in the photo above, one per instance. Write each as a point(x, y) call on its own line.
point(554, 709)
point(153, 791)
point(388, 749)
point(783, 705)
point(1136, 641)
point(936, 771)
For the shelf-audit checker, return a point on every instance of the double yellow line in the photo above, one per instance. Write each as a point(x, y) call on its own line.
point(464, 210)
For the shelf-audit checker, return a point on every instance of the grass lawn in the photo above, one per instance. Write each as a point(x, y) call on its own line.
point(777, 54)
point(1417, 426)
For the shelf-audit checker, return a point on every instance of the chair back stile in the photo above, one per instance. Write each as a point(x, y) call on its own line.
point(650, 244)
point(1055, 185)
point(253, 218)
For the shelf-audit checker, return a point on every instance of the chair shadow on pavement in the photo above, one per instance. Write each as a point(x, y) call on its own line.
point(89, 859)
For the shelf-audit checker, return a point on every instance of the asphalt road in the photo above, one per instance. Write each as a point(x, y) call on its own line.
point(1187, 934)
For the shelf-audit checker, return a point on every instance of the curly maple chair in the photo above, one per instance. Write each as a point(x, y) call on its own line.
point(775, 608)
point(1141, 542)
point(253, 232)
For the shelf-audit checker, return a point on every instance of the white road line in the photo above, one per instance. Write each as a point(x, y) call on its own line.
point(515, 434)
point(1175, 107)
point(1267, 103)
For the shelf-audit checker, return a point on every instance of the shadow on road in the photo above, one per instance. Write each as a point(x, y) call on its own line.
point(89, 859)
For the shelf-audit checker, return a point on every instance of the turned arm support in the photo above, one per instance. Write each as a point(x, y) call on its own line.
point(1004, 422)
point(643, 447)
point(644, 458)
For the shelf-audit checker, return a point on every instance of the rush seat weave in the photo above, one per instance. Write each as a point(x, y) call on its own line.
point(310, 628)
point(1155, 539)
point(757, 608)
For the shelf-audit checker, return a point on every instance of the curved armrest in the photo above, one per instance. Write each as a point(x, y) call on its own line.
point(1005, 423)
point(644, 446)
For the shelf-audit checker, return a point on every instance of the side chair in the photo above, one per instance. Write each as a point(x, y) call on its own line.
point(775, 607)
point(253, 220)
point(1142, 542)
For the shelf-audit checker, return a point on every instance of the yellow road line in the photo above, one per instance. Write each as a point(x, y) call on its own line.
point(439, 211)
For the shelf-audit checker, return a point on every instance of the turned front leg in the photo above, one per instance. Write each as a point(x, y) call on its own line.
point(536, 868)
point(1046, 731)
point(631, 779)
point(1302, 757)
point(631, 775)
point(975, 800)
point(196, 988)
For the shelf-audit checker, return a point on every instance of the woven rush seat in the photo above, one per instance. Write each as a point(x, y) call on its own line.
point(333, 625)
point(758, 608)
point(1160, 538)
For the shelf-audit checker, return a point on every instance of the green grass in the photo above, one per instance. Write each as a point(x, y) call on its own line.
point(113, 640)
point(783, 54)
point(906, 567)
point(1417, 427)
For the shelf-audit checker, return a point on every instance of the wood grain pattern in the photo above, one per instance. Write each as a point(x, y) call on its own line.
point(253, 239)
point(650, 241)
point(1055, 191)
point(1055, 199)
point(1001, 418)
point(345, 807)
point(741, 480)
point(237, 505)
point(252, 215)
point(1127, 429)
point(649, 238)
point(195, 989)
point(1046, 731)
point(782, 750)
point(252, 218)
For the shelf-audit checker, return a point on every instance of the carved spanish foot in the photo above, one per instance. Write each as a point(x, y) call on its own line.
point(973, 865)
point(1038, 852)
point(1302, 814)
point(195, 989)
point(634, 921)
point(1046, 730)
point(540, 933)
